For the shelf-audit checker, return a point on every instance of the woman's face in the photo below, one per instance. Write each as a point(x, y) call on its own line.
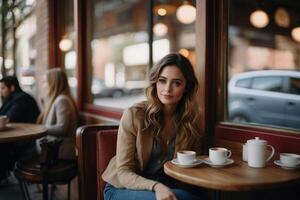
point(170, 85)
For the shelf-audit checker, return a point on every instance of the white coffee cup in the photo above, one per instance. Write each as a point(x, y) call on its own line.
point(186, 157)
point(289, 159)
point(3, 121)
point(219, 155)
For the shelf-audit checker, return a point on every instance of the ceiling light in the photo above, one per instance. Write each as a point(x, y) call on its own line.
point(259, 19)
point(184, 52)
point(164, 9)
point(161, 11)
point(65, 44)
point(186, 13)
point(160, 29)
point(296, 33)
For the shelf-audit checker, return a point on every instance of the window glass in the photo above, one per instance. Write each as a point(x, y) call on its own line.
point(263, 44)
point(244, 83)
point(120, 45)
point(273, 84)
point(174, 23)
point(26, 55)
point(295, 86)
point(120, 52)
point(18, 55)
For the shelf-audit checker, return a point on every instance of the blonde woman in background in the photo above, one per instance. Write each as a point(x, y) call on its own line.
point(60, 115)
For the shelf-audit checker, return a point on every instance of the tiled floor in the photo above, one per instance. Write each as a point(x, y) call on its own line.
point(10, 190)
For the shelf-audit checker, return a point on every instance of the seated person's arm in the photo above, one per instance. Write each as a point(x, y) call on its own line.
point(125, 158)
point(63, 112)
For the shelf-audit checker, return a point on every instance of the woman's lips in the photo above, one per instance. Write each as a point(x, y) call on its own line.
point(167, 96)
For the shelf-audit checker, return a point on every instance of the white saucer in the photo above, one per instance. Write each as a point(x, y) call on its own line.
point(195, 163)
point(228, 162)
point(279, 163)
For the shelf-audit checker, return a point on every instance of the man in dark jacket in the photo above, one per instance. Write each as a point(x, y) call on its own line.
point(18, 106)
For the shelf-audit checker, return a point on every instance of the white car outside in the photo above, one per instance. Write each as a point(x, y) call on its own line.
point(265, 97)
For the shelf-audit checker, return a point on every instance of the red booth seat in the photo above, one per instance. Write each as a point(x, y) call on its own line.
point(96, 145)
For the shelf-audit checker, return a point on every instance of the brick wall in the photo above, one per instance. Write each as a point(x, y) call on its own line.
point(42, 43)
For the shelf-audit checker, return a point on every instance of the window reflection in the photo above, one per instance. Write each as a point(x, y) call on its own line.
point(263, 64)
point(273, 84)
point(26, 54)
point(175, 21)
point(295, 86)
point(120, 46)
point(119, 52)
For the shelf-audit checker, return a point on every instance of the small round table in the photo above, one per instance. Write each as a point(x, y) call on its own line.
point(14, 132)
point(236, 177)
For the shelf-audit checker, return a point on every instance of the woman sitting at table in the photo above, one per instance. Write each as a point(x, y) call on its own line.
point(60, 115)
point(151, 133)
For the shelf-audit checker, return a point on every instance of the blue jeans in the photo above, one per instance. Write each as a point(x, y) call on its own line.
point(112, 193)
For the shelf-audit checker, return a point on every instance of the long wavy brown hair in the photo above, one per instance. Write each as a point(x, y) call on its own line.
point(187, 109)
point(58, 84)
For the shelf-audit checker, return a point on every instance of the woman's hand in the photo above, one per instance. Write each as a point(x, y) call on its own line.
point(162, 192)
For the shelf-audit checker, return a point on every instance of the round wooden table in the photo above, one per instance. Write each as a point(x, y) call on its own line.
point(235, 177)
point(14, 132)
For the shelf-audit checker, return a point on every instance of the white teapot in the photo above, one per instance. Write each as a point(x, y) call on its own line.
point(256, 150)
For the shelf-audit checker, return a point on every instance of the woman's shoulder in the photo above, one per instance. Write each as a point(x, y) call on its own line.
point(137, 110)
point(62, 98)
point(134, 116)
point(141, 106)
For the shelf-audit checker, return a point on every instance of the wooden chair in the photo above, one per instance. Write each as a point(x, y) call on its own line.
point(45, 169)
point(96, 145)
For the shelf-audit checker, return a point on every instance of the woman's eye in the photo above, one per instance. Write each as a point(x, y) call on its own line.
point(177, 83)
point(161, 80)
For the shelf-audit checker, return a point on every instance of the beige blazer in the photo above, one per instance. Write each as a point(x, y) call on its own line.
point(134, 147)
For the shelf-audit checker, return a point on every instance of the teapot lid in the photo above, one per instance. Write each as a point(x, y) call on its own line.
point(257, 141)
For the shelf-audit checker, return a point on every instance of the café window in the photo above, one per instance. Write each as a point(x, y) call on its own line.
point(264, 63)
point(120, 56)
point(18, 42)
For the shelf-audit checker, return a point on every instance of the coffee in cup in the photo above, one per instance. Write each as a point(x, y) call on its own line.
point(3, 121)
point(186, 157)
point(289, 159)
point(219, 155)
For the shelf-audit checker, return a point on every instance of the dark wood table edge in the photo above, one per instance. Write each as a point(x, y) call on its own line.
point(25, 137)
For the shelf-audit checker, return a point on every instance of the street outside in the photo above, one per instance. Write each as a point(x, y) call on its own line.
point(119, 103)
